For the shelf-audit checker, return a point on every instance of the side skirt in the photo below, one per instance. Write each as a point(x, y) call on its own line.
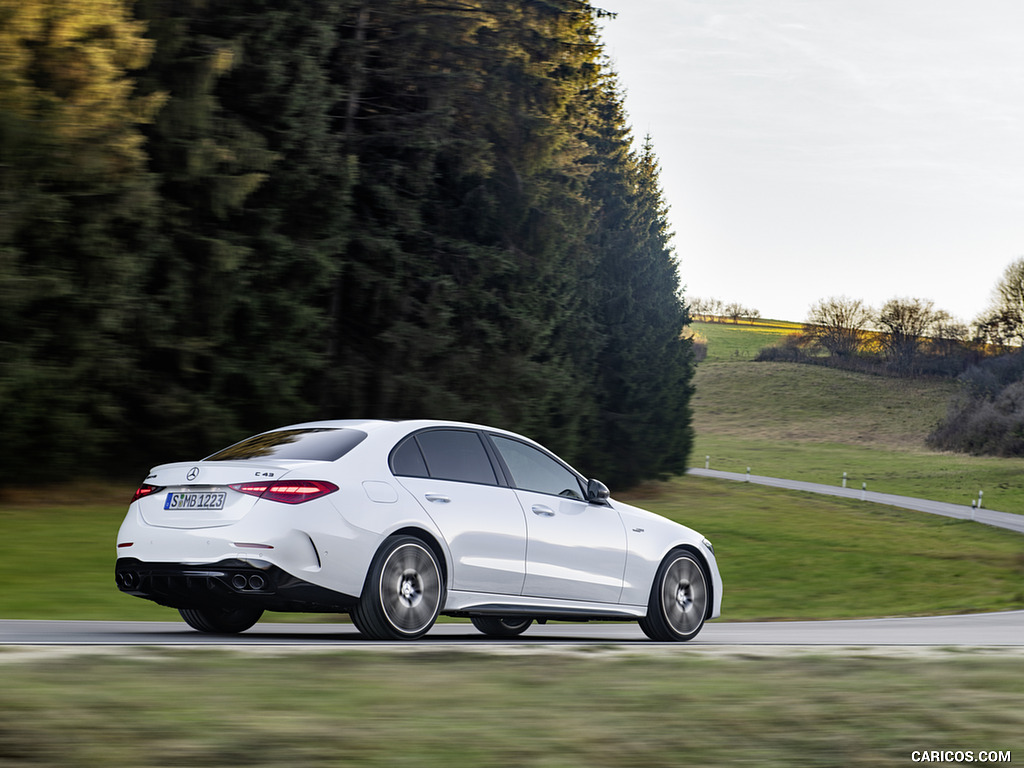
point(479, 604)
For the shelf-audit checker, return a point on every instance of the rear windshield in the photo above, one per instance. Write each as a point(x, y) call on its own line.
point(325, 444)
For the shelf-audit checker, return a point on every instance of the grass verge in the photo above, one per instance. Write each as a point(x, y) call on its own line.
point(424, 709)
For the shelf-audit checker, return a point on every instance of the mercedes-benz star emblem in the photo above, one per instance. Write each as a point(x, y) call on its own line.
point(192, 474)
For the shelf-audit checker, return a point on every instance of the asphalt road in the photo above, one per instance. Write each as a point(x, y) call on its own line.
point(992, 630)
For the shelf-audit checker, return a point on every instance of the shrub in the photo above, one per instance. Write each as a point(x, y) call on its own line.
point(987, 416)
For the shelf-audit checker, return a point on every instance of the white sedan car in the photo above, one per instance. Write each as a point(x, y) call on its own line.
point(397, 522)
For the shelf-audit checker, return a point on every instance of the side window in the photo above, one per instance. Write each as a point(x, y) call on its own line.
point(407, 460)
point(534, 470)
point(456, 455)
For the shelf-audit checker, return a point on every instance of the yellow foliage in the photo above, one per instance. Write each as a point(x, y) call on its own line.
point(63, 73)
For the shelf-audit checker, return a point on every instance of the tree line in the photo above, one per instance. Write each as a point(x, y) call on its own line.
point(221, 216)
point(905, 337)
point(713, 310)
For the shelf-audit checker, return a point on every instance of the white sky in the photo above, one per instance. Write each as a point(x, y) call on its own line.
point(816, 148)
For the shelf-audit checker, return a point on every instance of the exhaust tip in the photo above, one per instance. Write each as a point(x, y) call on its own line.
point(257, 582)
point(238, 581)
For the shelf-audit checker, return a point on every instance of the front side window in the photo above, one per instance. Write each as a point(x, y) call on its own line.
point(534, 470)
point(313, 444)
point(447, 454)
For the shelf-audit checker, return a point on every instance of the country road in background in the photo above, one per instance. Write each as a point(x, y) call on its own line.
point(962, 512)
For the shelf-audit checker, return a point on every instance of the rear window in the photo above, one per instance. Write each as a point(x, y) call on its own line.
point(320, 444)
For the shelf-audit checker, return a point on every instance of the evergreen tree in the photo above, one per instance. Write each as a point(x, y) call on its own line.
point(200, 361)
point(75, 201)
point(459, 279)
point(644, 366)
point(342, 208)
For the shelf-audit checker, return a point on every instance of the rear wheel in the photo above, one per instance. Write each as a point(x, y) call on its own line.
point(402, 595)
point(679, 599)
point(221, 621)
point(501, 626)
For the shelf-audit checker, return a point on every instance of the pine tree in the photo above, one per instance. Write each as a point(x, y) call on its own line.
point(644, 366)
point(75, 202)
point(209, 162)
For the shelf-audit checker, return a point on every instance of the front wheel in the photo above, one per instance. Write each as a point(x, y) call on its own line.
point(403, 591)
point(679, 599)
point(221, 621)
point(501, 626)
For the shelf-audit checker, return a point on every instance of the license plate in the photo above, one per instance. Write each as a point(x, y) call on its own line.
point(194, 500)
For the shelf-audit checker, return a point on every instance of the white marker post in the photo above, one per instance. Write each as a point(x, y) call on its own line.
point(707, 462)
point(844, 479)
point(980, 494)
point(748, 474)
point(863, 491)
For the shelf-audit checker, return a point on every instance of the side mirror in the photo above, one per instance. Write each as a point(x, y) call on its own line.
point(597, 492)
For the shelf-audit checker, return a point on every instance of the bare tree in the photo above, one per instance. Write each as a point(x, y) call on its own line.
point(734, 311)
point(905, 323)
point(948, 335)
point(836, 324)
point(1003, 323)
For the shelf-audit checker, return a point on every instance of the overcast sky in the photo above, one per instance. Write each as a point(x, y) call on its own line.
point(816, 148)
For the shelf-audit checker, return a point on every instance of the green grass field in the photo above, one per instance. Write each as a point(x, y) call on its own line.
point(154, 708)
point(729, 341)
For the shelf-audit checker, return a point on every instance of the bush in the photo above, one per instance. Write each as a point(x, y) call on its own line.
point(789, 351)
point(987, 417)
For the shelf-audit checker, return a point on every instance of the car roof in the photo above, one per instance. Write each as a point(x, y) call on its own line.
point(400, 425)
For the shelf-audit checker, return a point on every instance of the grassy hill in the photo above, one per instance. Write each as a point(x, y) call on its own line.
point(728, 341)
point(813, 423)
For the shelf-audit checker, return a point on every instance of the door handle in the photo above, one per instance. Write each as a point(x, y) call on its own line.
point(543, 511)
point(437, 498)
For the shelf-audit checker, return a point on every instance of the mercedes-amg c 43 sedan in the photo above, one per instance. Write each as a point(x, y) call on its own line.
point(398, 522)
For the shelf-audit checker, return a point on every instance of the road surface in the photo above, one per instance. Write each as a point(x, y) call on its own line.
point(991, 630)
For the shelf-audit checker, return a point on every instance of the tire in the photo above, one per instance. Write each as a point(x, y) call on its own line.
point(501, 626)
point(221, 621)
point(679, 599)
point(402, 595)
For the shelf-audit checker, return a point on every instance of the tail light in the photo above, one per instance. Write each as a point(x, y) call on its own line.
point(145, 490)
point(287, 491)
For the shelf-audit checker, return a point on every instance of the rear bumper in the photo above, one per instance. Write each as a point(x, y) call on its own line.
point(226, 583)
